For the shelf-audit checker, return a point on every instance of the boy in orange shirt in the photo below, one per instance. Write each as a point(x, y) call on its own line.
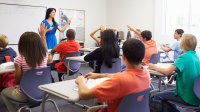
point(134, 79)
point(64, 48)
point(150, 45)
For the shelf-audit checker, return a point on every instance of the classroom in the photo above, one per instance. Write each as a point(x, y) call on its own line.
point(99, 56)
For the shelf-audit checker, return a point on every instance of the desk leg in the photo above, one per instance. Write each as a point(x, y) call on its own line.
point(43, 102)
point(94, 66)
point(159, 84)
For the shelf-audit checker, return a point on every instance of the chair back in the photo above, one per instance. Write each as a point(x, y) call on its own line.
point(4, 59)
point(72, 66)
point(30, 81)
point(116, 66)
point(135, 102)
point(196, 87)
point(155, 58)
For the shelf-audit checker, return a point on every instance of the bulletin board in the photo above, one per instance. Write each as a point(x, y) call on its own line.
point(77, 22)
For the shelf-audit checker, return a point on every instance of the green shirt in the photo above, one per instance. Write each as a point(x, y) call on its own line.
point(188, 68)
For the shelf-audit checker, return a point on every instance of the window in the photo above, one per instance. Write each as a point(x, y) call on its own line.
point(174, 14)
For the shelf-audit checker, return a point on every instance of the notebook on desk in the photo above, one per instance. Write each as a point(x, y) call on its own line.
point(90, 83)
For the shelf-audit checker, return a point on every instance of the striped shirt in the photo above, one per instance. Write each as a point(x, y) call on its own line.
point(21, 62)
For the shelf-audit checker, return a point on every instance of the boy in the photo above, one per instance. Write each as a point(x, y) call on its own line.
point(134, 79)
point(187, 68)
point(176, 45)
point(64, 48)
point(150, 45)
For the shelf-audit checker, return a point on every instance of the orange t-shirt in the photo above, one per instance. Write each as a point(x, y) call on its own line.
point(64, 48)
point(121, 84)
point(150, 48)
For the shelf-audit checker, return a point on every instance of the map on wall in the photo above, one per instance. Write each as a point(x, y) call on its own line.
point(77, 22)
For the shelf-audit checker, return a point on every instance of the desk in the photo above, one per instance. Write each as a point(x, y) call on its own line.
point(158, 74)
point(7, 67)
point(65, 90)
point(89, 49)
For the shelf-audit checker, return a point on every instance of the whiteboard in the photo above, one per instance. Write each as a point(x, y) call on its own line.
point(77, 22)
point(17, 19)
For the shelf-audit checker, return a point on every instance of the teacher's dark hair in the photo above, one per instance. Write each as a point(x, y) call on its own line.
point(32, 48)
point(49, 10)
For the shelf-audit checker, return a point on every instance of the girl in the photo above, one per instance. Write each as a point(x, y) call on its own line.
point(32, 54)
point(109, 49)
point(52, 26)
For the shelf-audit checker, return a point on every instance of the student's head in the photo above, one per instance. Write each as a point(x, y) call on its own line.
point(133, 51)
point(3, 41)
point(146, 35)
point(109, 46)
point(32, 48)
point(50, 13)
point(70, 34)
point(188, 42)
point(178, 33)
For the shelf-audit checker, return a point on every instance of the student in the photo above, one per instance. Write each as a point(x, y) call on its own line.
point(32, 54)
point(52, 26)
point(63, 49)
point(150, 45)
point(97, 39)
point(187, 68)
point(6, 79)
point(134, 79)
point(176, 45)
point(108, 50)
point(4, 51)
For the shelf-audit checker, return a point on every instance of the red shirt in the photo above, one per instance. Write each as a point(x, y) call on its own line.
point(64, 48)
point(121, 84)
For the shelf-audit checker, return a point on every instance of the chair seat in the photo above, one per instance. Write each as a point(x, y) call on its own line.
point(185, 106)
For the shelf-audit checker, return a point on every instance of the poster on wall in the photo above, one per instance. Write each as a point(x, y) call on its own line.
point(77, 22)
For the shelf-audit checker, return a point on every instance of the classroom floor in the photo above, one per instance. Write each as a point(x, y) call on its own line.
point(65, 106)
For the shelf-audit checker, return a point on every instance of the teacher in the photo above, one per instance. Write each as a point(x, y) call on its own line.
point(52, 26)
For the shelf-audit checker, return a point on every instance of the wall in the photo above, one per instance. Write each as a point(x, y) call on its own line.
point(138, 13)
point(95, 11)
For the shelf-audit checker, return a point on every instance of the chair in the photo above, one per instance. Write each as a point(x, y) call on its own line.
point(155, 58)
point(29, 83)
point(116, 66)
point(135, 102)
point(196, 89)
point(72, 66)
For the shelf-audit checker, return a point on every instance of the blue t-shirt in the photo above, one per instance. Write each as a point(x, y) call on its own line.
point(7, 52)
point(50, 35)
point(176, 48)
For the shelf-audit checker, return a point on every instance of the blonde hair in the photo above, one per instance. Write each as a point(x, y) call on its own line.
point(188, 42)
point(3, 41)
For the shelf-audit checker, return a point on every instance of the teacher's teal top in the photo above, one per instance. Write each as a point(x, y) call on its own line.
point(50, 35)
point(188, 68)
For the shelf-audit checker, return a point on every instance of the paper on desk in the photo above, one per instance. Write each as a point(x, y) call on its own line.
point(90, 83)
point(7, 65)
point(163, 65)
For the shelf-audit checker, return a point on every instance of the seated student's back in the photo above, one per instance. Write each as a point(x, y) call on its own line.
point(108, 50)
point(134, 79)
point(4, 51)
point(150, 46)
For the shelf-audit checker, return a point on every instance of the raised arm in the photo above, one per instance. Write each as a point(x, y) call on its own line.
point(62, 29)
point(42, 31)
point(101, 28)
point(166, 71)
point(134, 30)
